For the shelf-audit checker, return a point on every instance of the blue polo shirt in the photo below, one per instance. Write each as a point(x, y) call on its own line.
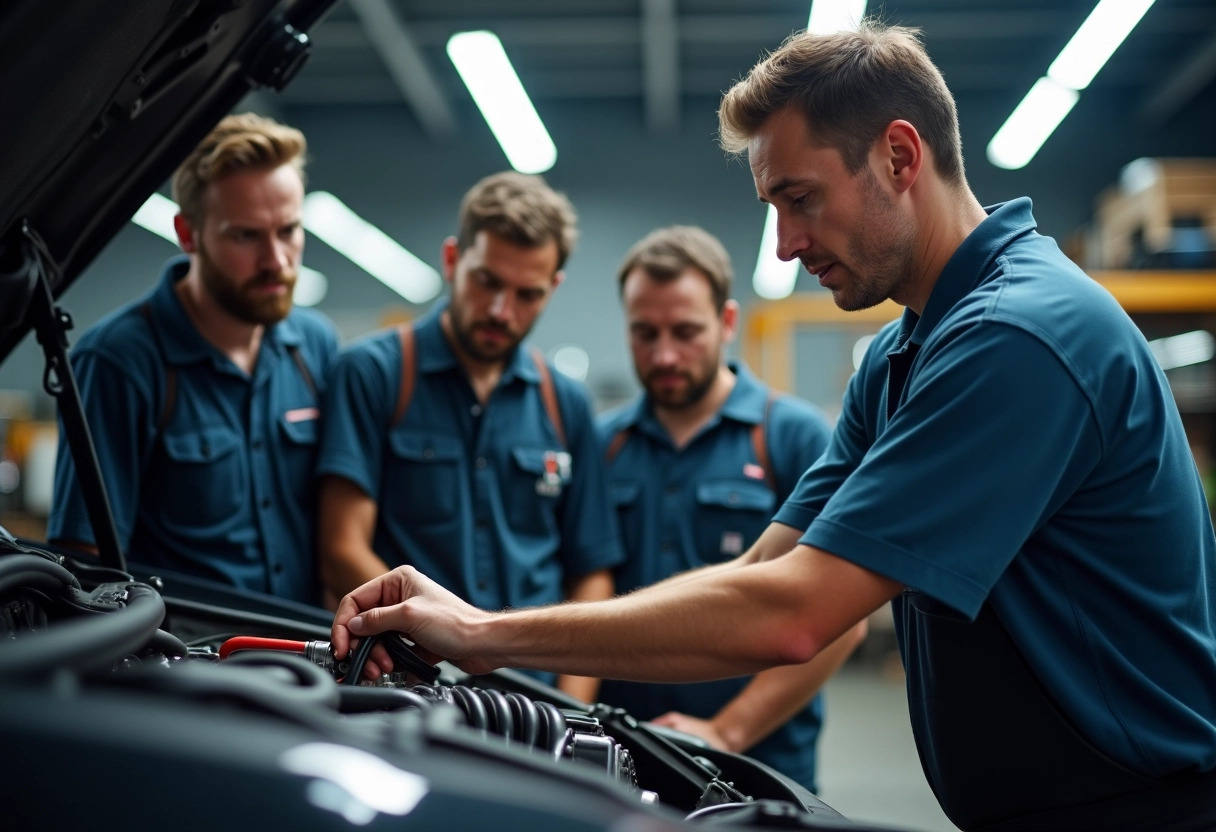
point(225, 491)
point(680, 508)
point(482, 499)
point(1034, 462)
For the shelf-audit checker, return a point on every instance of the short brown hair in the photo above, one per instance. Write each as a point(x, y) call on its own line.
point(239, 142)
point(520, 208)
point(667, 253)
point(849, 86)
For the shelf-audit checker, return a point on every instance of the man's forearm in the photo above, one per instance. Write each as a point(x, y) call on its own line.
point(746, 619)
point(776, 695)
point(594, 586)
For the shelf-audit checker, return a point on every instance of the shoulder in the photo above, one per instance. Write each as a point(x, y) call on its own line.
point(612, 422)
point(121, 342)
point(788, 412)
point(571, 393)
point(317, 332)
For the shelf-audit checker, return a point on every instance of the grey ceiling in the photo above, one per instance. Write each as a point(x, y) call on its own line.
point(657, 52)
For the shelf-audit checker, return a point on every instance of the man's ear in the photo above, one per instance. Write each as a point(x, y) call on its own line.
point(449, 256)
point(730, 320)
point(185, 234)
point(903, 154)
point(559, 277)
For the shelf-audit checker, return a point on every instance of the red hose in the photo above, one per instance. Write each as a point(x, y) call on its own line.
point(254, 643)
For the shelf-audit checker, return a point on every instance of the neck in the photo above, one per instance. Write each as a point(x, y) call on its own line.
point(684, 423)
point(483, 375)
point(238, 340)
point(947, 216)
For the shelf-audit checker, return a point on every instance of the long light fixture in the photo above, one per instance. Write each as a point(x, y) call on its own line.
point(1183, 350)
point(829, 16)
point(327, 217)
point(775, 278)
point(1052, 97)
point(157, 213)
point(485, 69)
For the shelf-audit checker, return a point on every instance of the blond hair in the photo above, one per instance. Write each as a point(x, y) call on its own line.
point(240, 142)
point(520, 208)
point(849, 86)
point(667, 253)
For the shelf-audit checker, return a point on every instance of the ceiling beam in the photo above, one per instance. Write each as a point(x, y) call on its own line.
point(1196, 72)
point(661, 65)
point(391, 38)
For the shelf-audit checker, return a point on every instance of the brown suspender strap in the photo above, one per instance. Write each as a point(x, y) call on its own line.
point(618, 442)
point(548, 396)
point(299, 359)
point(409, 370)
point(760, 445)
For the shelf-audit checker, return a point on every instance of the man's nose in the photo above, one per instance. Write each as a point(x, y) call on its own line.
point(792, 238)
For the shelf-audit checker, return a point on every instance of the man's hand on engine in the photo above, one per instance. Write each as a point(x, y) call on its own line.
point(406, 601)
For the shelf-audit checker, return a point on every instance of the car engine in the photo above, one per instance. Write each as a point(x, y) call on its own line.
point(129, 706)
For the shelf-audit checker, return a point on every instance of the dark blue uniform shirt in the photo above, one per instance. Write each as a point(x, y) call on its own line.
point(465, 492)
point(705, 503)
point(225, 491)
point(1033, 464)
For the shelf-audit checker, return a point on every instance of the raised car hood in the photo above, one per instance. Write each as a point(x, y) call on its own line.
point(99, 102)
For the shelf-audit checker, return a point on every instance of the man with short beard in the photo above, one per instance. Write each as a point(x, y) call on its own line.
point(453, 446)
point(697, 466)
point(204, 396)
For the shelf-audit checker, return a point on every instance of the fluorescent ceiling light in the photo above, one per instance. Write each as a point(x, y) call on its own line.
point(1182, 350)
point(829, 16)
point(157, 213)
point(1099, 36)
point(487, 72)
point(328, 218)
point(1053, 97)
point(774, 278)
point(1029, 125)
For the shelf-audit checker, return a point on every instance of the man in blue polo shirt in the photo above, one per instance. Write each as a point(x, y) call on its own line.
point(1009, 467)
point(203, 396)
point(452, 446)
point(697, 466)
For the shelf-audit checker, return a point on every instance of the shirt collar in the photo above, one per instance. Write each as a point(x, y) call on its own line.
point(967, 267)
point(436, 355)
point(180, 339)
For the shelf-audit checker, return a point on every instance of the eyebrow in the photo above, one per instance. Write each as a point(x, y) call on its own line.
point(785, 184)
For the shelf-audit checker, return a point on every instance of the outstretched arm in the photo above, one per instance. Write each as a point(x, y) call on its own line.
point(594, 586)
point(771, 698)
point(722, 623)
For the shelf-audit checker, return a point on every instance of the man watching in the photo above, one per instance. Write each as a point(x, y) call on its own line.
point(203, 397)
point(697, 466)
point(452, 446)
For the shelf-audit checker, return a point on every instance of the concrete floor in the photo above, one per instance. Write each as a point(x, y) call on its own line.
point(868, 767)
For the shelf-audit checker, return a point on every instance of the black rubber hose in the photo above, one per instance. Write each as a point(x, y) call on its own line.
point(358, 700)
point(501, 722)
point(97, 641)
point(558, 728)
point(20, 570)
point(358, 660)
point(472, 706)
point(169, 644)
point(527, 718)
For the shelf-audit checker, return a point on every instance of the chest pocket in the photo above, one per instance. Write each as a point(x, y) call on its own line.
point(422, 477)
point(731, 514)
point(204, 480)
point(532, 488)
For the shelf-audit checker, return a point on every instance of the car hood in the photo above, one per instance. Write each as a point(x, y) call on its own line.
point(101, 100)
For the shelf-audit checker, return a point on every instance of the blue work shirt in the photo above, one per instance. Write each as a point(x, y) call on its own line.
point(225, 490)
point(463, 490)
point(681, 508)
point(1035, 463)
